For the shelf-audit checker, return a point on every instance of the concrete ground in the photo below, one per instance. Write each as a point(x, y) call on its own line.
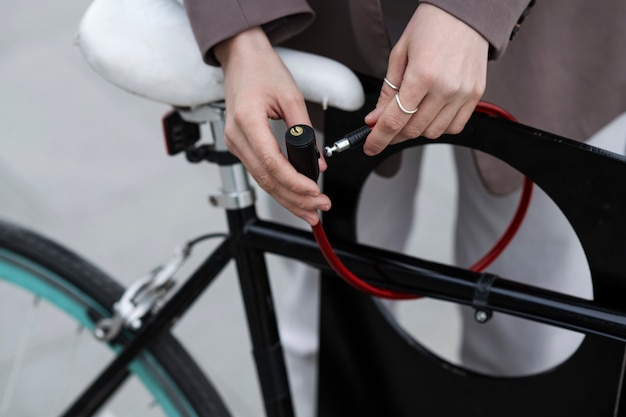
point(84, 163)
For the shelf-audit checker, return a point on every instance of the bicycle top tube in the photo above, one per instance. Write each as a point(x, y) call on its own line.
point(147, 48)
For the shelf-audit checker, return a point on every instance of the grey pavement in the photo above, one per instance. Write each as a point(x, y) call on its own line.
point(84, 163)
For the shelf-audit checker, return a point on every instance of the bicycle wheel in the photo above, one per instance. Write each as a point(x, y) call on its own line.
point(50, 300)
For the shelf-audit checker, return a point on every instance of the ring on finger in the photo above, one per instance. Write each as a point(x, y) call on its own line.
point(404, 109)
point(390, 84)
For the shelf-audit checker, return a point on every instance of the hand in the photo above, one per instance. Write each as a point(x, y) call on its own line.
point(440, 66)
point(259, 87)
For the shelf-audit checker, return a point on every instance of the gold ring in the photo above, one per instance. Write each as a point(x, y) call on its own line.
point(404, 110)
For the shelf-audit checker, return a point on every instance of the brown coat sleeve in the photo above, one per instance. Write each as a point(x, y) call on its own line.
point(213, 21)
point(495, 20)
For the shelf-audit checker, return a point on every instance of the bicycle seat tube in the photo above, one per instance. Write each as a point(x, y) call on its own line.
point(237, 197)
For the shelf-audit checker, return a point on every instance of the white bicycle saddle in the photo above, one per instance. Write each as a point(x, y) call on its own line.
point(147, 48)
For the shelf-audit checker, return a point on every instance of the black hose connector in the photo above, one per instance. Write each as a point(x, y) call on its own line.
point(349, 141)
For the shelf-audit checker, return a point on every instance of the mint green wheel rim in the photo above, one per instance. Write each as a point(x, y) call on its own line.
point(47, 285)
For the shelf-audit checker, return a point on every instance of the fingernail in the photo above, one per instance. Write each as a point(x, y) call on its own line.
point(369, 119)
point(368, 152)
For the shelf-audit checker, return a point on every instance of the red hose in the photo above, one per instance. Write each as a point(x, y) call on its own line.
point(522, 206)
point(347, 275)
point(341, 270)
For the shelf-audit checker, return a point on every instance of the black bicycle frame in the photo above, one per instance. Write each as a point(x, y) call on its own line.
point(250, 239)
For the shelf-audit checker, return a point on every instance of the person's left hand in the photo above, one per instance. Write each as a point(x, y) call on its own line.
point(439, 66)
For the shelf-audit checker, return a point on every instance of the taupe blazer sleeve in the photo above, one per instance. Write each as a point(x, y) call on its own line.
point(213, 21)
point(496, 20)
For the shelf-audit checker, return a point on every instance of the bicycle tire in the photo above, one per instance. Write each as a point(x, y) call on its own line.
point(62, 278)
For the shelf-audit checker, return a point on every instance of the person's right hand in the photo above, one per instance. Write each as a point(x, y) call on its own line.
point(259, 87)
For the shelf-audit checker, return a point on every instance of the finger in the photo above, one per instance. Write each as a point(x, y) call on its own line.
point(293, 109)
point(322, 163)
point(386, 95)
point(302, 205)
point(276, 175)
point(390, 86)
point(398, 61)
point(437, 114)
point(461, 118)
point(391, 122)
point(388, 118)
point(439, 121)
point(270, 161)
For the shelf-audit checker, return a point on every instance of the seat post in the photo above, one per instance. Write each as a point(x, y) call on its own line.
point(235, 191)
point(237, 197)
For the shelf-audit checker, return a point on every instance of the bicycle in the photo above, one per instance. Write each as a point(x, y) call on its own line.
point(139, 324)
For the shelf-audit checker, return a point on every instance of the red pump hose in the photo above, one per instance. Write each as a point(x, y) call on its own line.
point(341, 270)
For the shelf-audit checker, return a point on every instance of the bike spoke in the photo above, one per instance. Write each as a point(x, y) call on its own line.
point(20, 354)
point(71, 369)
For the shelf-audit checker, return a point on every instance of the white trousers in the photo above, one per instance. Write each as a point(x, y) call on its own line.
point(544, 253)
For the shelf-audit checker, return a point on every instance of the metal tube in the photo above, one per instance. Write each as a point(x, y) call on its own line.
point(400, 272)
point(261, 317)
